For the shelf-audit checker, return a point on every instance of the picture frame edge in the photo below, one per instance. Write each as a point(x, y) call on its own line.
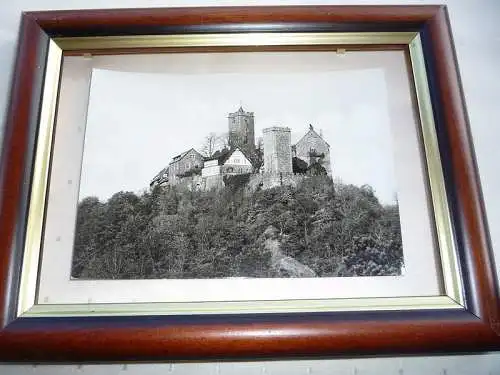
point(66, 339)
point(470, 204)
point(17, 148)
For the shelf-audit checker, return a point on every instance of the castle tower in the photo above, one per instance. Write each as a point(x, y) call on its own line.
point(277, 150)
point(241, 130)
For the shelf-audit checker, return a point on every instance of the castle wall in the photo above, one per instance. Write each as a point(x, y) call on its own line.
point(212, 182)
point(192, 183)
point(210, 168)
point(277, 150)
point(198, 182)
point(270, 180)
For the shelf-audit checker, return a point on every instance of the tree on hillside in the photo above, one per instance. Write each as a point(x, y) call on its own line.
point(213, 142)
point(299, 166)
point(334, 229)
point(89, 222)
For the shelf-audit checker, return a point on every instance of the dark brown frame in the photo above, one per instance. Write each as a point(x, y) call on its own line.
point(474, 328)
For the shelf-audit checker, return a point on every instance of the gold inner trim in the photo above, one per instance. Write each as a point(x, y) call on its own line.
point(233, 40)
point(453, 287)
point(32, 249)
point(349, 304)
point(444, 229)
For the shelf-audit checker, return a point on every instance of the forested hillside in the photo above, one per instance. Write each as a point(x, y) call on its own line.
point(315, 229)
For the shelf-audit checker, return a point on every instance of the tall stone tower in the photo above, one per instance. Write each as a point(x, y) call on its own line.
point(241, 130)
point(277, 150)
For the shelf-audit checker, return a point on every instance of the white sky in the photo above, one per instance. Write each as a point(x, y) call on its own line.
point(145, 110)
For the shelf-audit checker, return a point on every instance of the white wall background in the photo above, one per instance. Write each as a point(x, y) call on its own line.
point(477, 39)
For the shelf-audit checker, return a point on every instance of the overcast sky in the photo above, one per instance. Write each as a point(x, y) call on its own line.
point(143, 111)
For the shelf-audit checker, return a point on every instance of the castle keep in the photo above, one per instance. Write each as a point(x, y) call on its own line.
point(278, 162)
point(241, 130)
point(277, 150)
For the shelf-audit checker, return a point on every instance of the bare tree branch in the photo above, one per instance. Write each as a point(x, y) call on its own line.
point(213, 142)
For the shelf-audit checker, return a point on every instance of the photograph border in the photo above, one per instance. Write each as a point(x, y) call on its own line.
point(465, 318)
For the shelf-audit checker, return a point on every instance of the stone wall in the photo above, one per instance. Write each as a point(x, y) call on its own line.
point(256, 181)
point(270, 180)
point(277, 150)
point(241, 130)
point(313, 142)
point(212, 182)
point(232, 169)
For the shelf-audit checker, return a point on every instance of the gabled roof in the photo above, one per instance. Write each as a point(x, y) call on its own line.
point(237, 149)
point(313, 132)
point(223, 155)
point(181, 156)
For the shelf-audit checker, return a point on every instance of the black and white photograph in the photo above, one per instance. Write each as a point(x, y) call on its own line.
point(239, 165)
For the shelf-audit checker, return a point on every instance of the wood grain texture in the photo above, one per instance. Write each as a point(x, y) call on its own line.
point(13, 162)
point(138, 339)
point(69, 20)
point(264, 335)
point(471, 220)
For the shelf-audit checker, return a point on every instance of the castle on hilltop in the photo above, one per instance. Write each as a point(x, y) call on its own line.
point(274, 162)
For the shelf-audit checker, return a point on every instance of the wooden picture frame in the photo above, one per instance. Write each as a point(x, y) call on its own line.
point(472, 325)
